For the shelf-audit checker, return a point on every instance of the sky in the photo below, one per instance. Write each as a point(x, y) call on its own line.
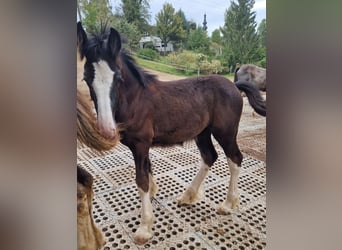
point(195, 9)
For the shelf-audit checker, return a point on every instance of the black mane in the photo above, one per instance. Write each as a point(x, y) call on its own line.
point(96, 44)
point(141, 75)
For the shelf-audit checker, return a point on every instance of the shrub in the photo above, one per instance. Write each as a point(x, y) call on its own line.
point(216, 66)
point(185, 61)
point(148, 54)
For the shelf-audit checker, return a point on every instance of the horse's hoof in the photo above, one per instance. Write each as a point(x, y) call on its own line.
point(227, 207)
point(142, 236)
point(189, 197)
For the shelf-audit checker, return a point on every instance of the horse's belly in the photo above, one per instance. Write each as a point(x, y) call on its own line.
point(176, 135)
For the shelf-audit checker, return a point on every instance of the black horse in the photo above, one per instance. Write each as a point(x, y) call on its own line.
point(152, 112)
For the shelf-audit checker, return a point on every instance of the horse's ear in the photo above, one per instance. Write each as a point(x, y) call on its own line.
point(81, 39)
point(114, 42)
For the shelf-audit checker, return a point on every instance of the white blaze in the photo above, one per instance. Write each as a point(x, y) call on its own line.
point(103, 79)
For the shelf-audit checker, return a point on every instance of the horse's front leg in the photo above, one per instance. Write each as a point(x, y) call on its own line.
point(146, 188)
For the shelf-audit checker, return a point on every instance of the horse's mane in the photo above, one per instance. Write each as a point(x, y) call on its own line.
point(97, 41)
point(87, 131)
point(141, 75)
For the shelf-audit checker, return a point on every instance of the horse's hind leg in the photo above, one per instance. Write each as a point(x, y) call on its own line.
point(209, 156)
point(234, 158)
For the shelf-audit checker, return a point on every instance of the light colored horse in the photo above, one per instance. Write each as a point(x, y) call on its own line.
point(89, 237)
point(253, 74)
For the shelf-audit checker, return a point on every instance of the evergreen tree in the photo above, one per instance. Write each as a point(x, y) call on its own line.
point(216, 36)
point(262, 33)
point(239, 33)
point(262, 43)
point(187, 25)
point(198, 41)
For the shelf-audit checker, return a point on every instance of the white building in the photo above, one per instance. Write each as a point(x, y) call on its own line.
point(157, 42)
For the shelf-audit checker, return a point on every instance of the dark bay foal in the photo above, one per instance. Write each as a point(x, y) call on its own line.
point(151, 112)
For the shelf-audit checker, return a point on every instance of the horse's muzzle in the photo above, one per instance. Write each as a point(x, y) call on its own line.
point(108, 133)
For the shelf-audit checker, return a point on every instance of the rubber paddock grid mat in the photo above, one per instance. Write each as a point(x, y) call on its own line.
point(117, 203)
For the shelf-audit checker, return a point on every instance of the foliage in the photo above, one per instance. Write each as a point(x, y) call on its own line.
point(186, 59)
point(262, 33)
point(187, 25)
point(198, 41)
point(137, 12)
point(239, 33)
point(149, 45)
point(169, 25)
point(216, 36)
point(161, 67)
point(149, 54)
point(216, 66)
point(128, 31)
point(96, 13)
point(193, 62)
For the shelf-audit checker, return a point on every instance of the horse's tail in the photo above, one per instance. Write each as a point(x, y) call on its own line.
point(235, 74)
point(253, 95)
point(87, 131)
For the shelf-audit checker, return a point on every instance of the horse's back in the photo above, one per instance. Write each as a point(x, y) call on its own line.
point(184, 108)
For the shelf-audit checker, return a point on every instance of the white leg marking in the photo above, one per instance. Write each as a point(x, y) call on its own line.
point(144, 231)
point(232, 200)
point(153, 188)
point(193, 193)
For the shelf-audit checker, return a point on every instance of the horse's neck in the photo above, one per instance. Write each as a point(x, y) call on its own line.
point(130, 89)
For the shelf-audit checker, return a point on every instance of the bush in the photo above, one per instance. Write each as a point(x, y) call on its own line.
point(149, 45)
point(213, 67)
point(191, 62)
point(216, 66)
point(148, 54)
point(262, 62)
point(185, 60)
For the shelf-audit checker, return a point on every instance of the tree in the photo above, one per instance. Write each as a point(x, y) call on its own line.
point(198, 41)
point(239, 33)
point(130, 33)
point(137, 12)
point(262, 33)
point(169, 25)
point(185, 23)
point(96, 13)
point(216, 36)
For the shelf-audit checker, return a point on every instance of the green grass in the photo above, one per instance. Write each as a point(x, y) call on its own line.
point(168, 68)
point(160, 67)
